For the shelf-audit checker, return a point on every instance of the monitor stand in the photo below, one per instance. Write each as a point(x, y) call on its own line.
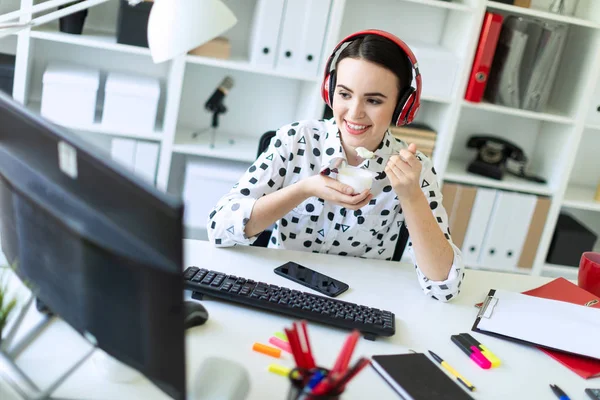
point(13, 374)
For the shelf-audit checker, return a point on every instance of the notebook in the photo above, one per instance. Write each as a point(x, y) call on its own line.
point(564, 290)
point(415, 377)
point(547, 323)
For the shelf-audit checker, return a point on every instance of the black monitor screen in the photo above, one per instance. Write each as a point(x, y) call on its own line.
point(100, 247)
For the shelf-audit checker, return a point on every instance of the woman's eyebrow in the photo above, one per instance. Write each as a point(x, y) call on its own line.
point(377, 94)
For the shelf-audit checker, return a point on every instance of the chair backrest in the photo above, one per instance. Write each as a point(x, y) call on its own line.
point(264, 237)
point(263, 142)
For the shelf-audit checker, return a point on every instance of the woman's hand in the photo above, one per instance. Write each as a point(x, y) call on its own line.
point(333, 191)
point(404, 172)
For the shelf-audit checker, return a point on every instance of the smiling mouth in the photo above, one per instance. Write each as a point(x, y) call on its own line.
point(355, 129)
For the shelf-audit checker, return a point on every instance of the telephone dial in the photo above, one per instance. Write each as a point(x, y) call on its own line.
point(496, 155)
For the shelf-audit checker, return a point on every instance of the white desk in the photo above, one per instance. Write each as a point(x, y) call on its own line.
point(421, 324)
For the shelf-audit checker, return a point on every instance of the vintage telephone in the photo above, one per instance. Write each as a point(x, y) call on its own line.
point(496, 155)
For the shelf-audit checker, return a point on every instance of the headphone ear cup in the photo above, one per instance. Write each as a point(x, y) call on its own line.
point(325, 91)
point(331, 88)
point(403, 103)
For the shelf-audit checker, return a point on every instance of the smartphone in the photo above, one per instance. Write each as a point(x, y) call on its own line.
point(311, 279)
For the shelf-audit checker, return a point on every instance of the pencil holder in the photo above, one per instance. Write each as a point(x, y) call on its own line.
point(299, 386)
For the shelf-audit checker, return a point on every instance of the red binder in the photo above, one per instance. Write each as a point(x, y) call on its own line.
point(563, 290)
point(482, 63)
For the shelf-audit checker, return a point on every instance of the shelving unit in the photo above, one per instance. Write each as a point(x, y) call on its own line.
point(558, 140)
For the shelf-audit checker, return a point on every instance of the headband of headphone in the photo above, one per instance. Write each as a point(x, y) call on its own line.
point(408, 101)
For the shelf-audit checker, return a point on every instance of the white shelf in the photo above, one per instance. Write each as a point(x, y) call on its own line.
point(243, 148)
point(241, 64)
point(108, 41)
point(581, 197)
point(457, 172)
point(90, 38)
point(443, 4)
point(551, 117)
point(592, 127)
point(100, 129)
point(543, 14)
point(561, 270)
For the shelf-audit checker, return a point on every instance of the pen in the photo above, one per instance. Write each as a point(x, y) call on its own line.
point(452, 371)
point(484, 350)
point(559, 393)
point(473, 352)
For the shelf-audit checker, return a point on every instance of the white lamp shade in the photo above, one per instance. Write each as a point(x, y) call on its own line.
point(178, 26)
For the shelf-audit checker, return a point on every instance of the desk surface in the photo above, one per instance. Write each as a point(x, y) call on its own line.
point(421, 324)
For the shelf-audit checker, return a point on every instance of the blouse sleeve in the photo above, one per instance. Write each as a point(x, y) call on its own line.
point(227, 220)
point(449, 288)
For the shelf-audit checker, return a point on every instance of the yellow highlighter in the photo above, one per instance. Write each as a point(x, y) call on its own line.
point(484, 350)
point(452, 371)
point(279, 369)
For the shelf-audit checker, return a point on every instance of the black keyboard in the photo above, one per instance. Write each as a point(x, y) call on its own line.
point(371, 322)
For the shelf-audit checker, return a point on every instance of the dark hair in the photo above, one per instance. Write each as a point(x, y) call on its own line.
point(381, 51)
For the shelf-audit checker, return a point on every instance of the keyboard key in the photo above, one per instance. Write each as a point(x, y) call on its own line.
point(301, 305)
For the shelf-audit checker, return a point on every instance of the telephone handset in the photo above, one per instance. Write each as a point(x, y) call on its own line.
point(495, 155)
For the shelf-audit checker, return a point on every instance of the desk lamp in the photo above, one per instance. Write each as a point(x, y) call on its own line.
point(174, 26)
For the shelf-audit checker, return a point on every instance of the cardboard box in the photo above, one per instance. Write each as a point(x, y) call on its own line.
point(216, 48)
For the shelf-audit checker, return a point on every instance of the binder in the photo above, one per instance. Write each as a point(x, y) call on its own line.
point(518, 226)
point(507, 230)
point(313, 33)
point(546, 323)
point(534, 233)
point(497, 230)
point(482, 63)
point(266, 25)
point(146, 160)
point(564, 290)
point(480, 215)
point(290, 47)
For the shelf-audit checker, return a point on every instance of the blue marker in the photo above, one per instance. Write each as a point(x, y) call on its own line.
point(315, 379)
point(559, 393)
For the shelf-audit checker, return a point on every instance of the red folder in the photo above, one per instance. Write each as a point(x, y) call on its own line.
point(564, 290)
point(482, 63)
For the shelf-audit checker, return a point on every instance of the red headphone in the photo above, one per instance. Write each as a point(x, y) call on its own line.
point(409, 101)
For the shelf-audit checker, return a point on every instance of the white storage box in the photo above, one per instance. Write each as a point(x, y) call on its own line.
point(439, 69)
point(69, 94)
point(205, 183)
point(130, 102)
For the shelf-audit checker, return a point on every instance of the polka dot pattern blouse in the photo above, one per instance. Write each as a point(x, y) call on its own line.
point(306, 148)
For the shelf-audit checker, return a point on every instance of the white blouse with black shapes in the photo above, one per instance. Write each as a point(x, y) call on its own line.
point(306, 148)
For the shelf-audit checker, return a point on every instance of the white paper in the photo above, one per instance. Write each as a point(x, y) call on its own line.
point(564, 326)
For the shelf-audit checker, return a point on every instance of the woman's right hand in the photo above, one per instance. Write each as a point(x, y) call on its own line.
point(333, 191)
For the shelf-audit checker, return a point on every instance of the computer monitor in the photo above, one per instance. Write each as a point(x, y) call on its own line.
point(100, 248)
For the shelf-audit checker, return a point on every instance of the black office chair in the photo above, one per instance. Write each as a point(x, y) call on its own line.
point(265, 236)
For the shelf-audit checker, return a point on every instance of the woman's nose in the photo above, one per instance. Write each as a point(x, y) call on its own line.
point(356, 110)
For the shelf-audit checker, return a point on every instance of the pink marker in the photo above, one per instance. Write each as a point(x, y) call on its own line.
point(285, 346)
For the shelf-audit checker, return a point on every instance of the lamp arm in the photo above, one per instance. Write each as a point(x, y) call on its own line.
point(47, 5)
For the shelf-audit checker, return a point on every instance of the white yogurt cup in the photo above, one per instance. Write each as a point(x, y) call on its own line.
point(357, 178)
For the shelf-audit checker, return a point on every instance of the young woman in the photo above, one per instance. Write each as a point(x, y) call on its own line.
point(293, 184)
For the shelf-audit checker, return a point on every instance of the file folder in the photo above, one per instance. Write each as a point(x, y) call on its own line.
point(289, 52)
point(564, 290)
point(546, 323)
point(482, 63)
point(266, 26)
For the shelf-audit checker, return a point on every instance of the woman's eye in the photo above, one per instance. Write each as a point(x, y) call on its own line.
point(374, 101)
point(344, 95)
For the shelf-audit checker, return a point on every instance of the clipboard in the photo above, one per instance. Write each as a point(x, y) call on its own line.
point(546, 323)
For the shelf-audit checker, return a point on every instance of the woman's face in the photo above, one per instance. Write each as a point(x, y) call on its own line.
point(364, 101)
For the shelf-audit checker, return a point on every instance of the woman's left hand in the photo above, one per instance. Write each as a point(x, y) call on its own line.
point(404, 172)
